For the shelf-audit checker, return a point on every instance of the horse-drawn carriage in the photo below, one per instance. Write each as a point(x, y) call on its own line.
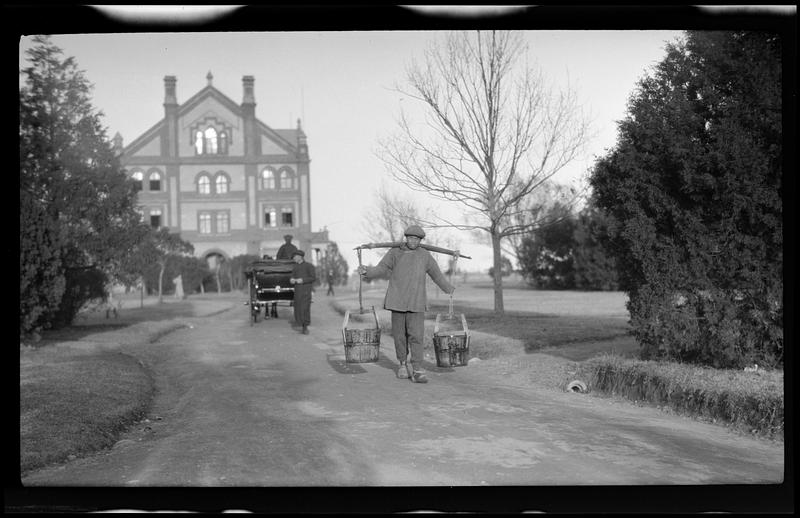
point(268, 280)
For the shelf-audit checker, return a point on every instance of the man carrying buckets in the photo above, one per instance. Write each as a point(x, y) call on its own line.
point(406, 267)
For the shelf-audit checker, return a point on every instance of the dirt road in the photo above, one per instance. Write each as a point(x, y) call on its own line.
point(262, 405)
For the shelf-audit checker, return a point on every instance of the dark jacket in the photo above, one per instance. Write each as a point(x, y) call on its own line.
point(285, 251)
point(407, 270)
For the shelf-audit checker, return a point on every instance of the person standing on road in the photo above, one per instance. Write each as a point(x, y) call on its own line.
point(406, 298)
point(330, 283)
point(287, 250)
point(284, 253)
point(303, 277)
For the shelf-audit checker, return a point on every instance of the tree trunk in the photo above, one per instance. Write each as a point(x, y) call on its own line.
point(141, 294)
point(497, 275)
point(160, 277)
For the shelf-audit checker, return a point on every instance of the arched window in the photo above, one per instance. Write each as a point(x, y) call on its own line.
point(155, 181)
point(223, 143)
point(210, 135)
point(222, 184)
point(137, 180)
point(268, 179)
point(204, 185)
point(287, 179)
point(198, 142)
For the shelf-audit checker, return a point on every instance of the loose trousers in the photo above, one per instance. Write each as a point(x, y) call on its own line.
point(302, 305)
point(408, 331)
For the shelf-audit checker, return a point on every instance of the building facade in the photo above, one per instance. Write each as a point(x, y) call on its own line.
point(230, 184)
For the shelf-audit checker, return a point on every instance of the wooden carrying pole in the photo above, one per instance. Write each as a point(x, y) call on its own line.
point(398, 244)
point(360, 304)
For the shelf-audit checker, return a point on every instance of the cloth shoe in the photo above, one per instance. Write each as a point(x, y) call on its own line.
point(418, 377)
point(403, 372)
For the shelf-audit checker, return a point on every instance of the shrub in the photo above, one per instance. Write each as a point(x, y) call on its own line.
point(82, 286)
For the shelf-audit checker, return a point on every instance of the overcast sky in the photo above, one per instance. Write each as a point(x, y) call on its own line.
point(339, 85)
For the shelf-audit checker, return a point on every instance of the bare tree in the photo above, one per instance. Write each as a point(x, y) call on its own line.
point(492, 134)
point(390, 216)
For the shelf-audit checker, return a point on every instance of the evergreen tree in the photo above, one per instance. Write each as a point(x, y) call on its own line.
point(72, 179)
point(594, 266)
point(694, 189)
point(332, 260)
point(545, 257)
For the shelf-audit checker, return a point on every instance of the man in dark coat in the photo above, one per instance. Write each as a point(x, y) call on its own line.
point(407, 267)
point(287, 249)
point(303, 277)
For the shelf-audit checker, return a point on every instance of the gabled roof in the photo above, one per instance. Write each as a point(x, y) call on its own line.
point(284, 137)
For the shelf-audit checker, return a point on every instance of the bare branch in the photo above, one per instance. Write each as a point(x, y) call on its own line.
point(492, 136)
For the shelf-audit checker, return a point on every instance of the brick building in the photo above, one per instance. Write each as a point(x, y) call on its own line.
point(230, 184)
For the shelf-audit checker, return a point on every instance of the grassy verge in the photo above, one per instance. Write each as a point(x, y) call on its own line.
point(74, 402)
point(751, 402)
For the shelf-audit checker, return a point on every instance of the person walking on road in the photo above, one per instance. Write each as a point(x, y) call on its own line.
point(287, 250)
point(303, 277)
point(406, 298)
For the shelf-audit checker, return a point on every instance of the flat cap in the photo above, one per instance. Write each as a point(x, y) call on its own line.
point(415, 230)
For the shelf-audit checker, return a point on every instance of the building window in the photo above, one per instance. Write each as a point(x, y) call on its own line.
point(205, 223)
point(198, 142)
point(270, 219)
point(267, 179)
point(222, 223)
point(287, 179)
point(137, 180)
point(286, 217)
point(204, 185)
point(155, 181)
point(155, 218)
point(221, 184)
point(223, 143)
point(210, 141)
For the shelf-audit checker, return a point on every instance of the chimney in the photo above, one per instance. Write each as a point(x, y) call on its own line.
point(252, 145)
point(247, 83)
point(302, 145)
point(169, 136)
point(169, 90)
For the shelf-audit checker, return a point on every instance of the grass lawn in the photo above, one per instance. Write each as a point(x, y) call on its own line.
point(574, 325)
point(74, 402)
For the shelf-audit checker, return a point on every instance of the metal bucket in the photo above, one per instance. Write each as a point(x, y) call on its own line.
point(361, 345)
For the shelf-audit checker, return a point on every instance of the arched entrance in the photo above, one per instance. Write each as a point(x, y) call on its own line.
point(217, 261)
